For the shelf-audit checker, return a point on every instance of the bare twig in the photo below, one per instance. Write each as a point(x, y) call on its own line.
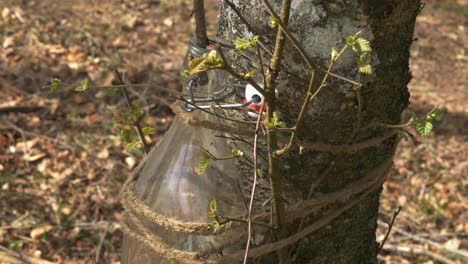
point(390, 225)
point(417, 251)
point(252, 195)
point(262, 70)
point(97, 257)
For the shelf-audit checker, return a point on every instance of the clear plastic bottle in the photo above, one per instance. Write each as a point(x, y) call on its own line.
point(171, 184)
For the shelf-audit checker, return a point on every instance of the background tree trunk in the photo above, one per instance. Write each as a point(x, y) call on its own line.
point(319, 26)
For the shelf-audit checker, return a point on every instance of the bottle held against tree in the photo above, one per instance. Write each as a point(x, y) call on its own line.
point(177, 184)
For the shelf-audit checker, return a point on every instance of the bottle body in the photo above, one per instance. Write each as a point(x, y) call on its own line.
point(177, 183)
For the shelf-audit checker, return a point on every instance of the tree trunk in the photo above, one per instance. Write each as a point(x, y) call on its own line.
point(319, 26)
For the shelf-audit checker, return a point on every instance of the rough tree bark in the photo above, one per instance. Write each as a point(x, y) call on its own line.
point(319, 26)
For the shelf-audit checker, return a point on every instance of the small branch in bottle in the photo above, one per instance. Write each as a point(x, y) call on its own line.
point(215, 157)
point(235, 138)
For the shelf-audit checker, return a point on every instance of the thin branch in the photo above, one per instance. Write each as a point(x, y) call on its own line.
point(130, 105)
point(390, 225)
point(261, 67)
point(307, 101)
point(272, 139)
point(200, 24)
point(252, 195)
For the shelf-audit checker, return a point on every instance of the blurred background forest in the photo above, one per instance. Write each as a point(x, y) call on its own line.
point(63, 162)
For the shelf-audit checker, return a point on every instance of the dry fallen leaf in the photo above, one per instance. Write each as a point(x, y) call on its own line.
point(40, 230)
point(453, 243)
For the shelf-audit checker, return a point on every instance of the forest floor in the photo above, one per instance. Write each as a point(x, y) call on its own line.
point(63, 163)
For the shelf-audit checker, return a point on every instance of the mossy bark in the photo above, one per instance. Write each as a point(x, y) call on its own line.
point(321, 25)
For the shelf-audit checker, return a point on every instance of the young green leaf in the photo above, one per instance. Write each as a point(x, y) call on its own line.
point(363, 45)
point(249, 75)
point(334, 54)
point(187, 73)
point(213, 209)
point(197, 63)
point(275, 122)
point(237, 152)
point(127, 135)
point(261, 173)
point(414, 119)
point(136, 113)
point(364, 64)
point(244, 43)
point(424, 128)
point(273, 22)
point(55, 84)
point(206, 159)
point(112, 91)
point(134, 145)
point(351, 41)
point(147, 130)
point(436, 115)
point(215, 225)
point(83, 87)
point(204, 63)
